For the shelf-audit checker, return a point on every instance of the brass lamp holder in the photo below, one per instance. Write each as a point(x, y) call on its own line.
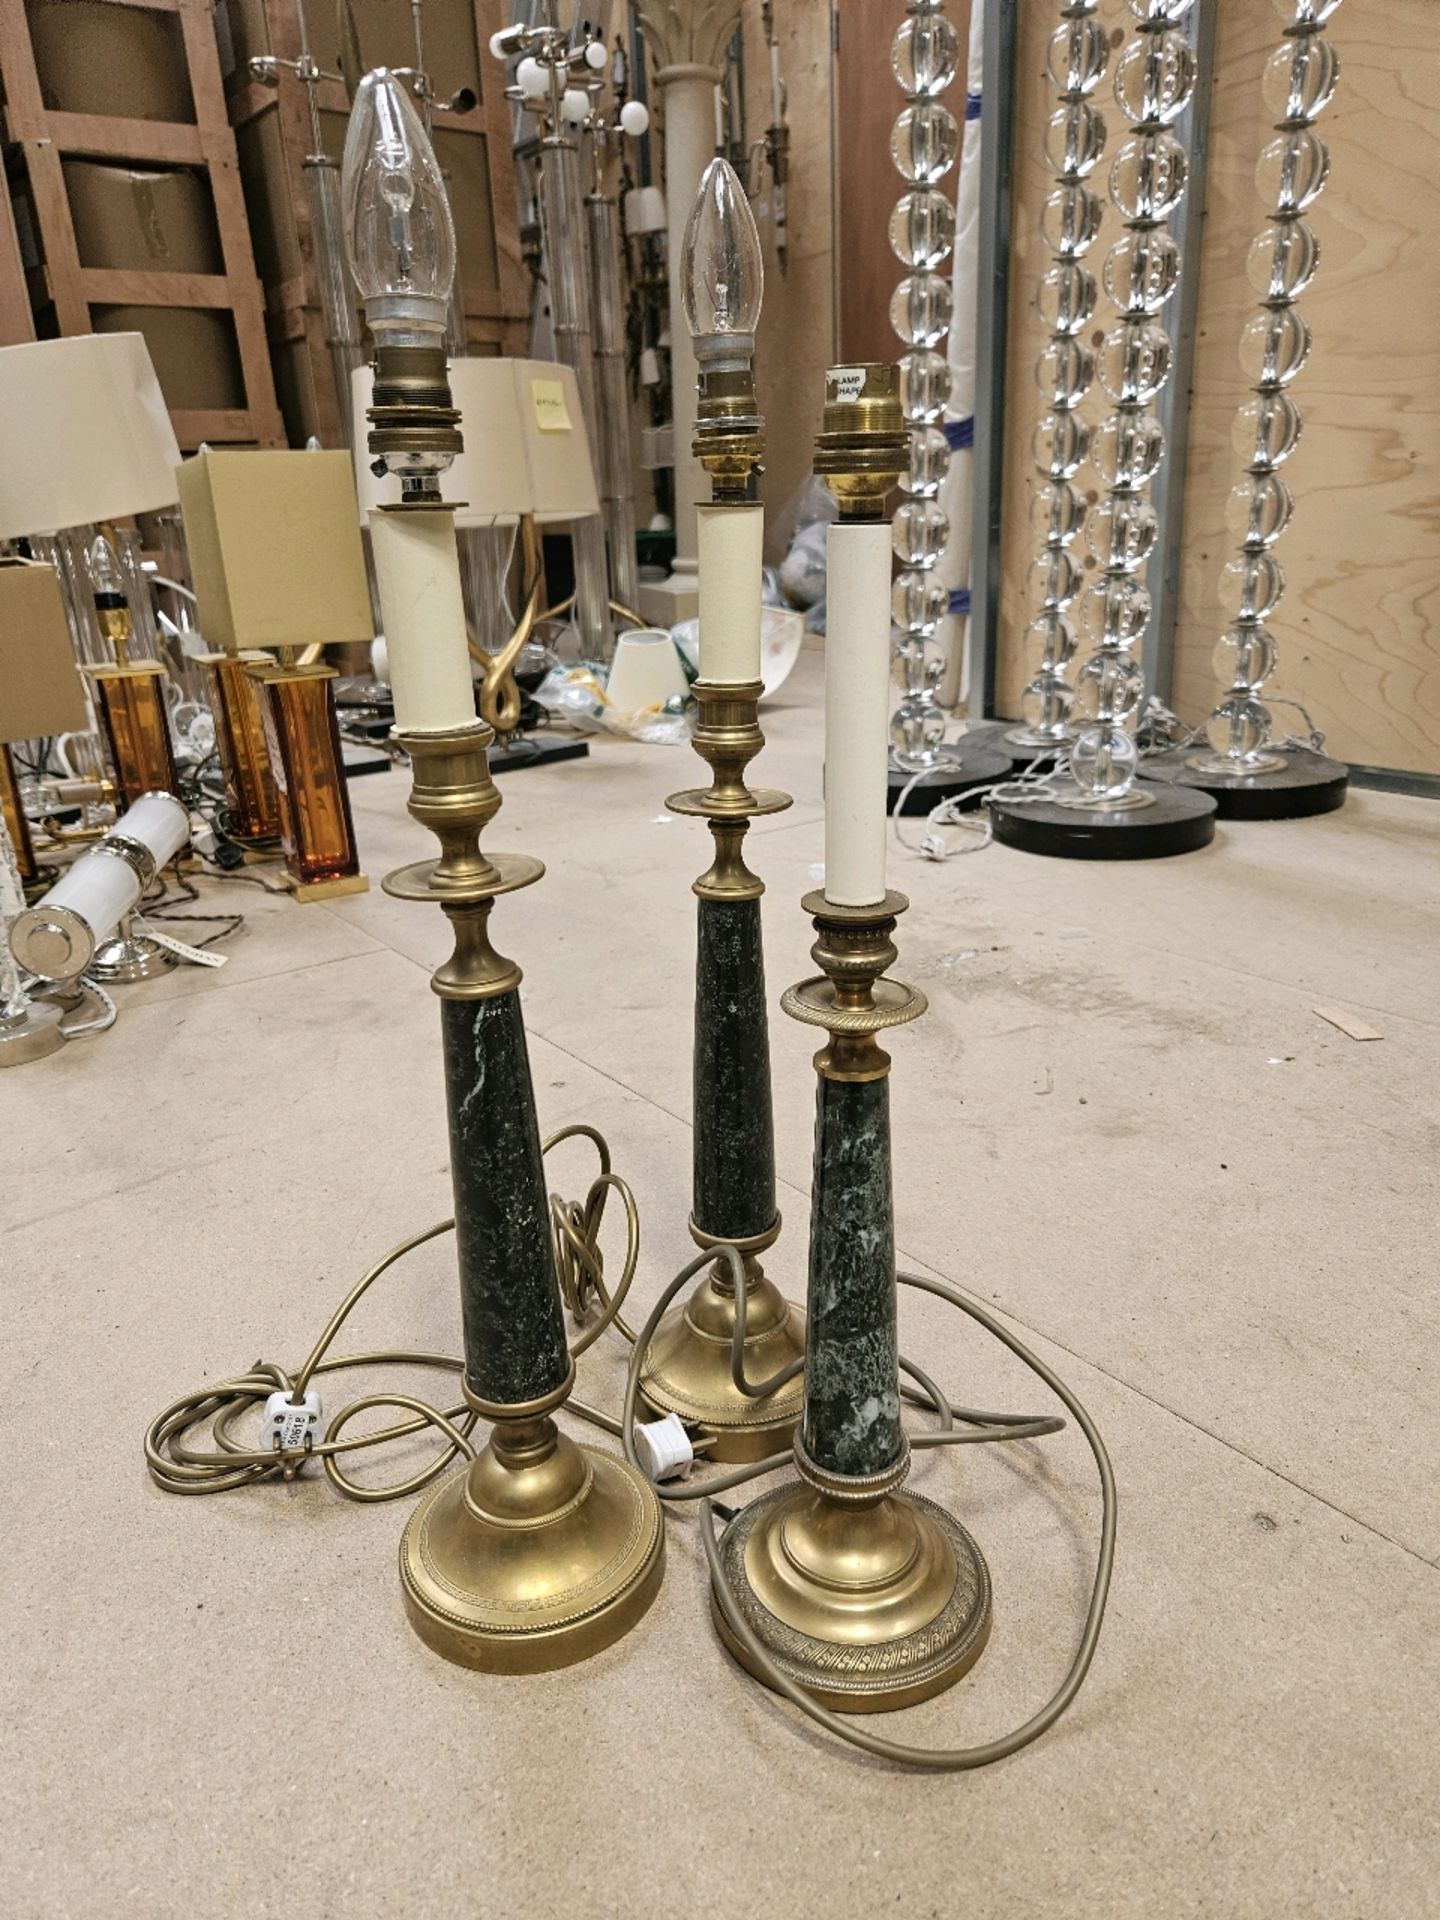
point(867, 1596)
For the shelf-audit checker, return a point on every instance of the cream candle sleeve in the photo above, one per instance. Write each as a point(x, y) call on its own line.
point(857, 705)
point(731, 546)
point(417, 570)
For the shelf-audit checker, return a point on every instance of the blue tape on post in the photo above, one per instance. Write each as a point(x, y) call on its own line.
point(972, 106)
point(959, 600)
point(960, 433)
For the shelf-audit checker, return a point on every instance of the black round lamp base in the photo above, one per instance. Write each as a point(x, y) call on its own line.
point(963, 768)
point(1180, 820)
point(1308, 783)
point(994, 737)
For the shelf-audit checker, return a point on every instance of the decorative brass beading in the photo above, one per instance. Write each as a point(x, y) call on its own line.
point(862, 447)
point(851, 997)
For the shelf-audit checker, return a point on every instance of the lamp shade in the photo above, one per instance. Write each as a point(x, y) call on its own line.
point(274, 549)
point(525, 445)
point(40, 690)
point(83, 432)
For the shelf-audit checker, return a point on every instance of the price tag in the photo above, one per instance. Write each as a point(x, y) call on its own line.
point(548, 399)
point(849, 383)
point(197, 956)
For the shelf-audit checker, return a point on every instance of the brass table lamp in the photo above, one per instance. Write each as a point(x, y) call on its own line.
point(867, 1596)
point(278, 568)
point(539, 1551)
point(688, 1368)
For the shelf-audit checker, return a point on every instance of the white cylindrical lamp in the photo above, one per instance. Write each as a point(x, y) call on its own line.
point(58, 937)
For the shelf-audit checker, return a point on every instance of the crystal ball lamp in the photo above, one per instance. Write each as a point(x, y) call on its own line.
point(925, 144)
point(1298, 85)
point(1076, 60)
point(1154, 80)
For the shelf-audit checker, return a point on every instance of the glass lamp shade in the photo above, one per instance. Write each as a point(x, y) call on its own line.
point(1267, 430)
point(1291, 172)
point(1141, 271)
point(925, 55)
point(400, 235)
point(925, 143)
point(1155, 79)
point(1067, 297)
point(1244, 656)
point(1300, 79)
point(1282, 260)
point(722, 274)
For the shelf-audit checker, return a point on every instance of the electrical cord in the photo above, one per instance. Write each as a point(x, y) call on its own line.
point(177, 1467)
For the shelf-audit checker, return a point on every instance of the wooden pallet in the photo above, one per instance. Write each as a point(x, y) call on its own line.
point(43, 139)
point(496, 313)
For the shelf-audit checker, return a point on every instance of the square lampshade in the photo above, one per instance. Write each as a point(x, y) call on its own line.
point(84, 434)
point(525, 445)
point(40, 690)
point(274, 549)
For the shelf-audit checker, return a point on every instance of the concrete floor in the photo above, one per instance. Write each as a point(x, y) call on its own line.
point(1121, 1123)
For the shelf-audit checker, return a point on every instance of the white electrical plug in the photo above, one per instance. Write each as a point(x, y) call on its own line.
point(664, 1448)
point(289, 1425)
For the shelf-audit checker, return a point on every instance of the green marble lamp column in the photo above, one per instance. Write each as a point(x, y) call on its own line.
point(687, 1369)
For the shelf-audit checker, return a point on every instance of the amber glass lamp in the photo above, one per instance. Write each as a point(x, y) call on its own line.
point(278, 567)
point(129, 694)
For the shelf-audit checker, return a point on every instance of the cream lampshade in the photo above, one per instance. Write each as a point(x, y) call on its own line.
point(84, 432)
point(525, 445)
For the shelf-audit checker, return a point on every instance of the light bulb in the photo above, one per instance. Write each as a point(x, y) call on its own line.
point(575, 107)
point(722, 276)
point(399, 231)
point(595, 55)
point(107, 582)
point(531, 78)
point(634, 118)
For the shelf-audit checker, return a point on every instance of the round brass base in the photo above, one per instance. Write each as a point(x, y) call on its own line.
point(532, 1557)
point(687, 1369)
point(866, 1607)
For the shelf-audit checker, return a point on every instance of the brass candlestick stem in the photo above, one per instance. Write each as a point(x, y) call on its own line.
point(539, 1551)
point(688, 1367)
point(868, 1597)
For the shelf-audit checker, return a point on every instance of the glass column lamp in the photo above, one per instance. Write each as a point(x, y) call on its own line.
point(1099, 811)
point(924, 145)
point(1076, 60)
point(1249, 776)
point(253, 801)
point(129, 694)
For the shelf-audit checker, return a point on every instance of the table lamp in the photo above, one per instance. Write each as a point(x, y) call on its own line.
point(278, 566)
point(526, 460)
point(88, 442)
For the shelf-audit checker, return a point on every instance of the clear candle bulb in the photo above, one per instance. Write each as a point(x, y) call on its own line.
point(722, 274)
point(400, 235)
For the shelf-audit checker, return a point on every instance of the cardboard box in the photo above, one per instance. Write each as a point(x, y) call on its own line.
point(196, 355)
point(275, 553)
point(96, 57)
point(160, 220)
point(40, 687)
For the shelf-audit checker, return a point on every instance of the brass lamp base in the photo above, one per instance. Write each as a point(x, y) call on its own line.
point(868, 1604)
point(687, 1368)
point(537, 1554)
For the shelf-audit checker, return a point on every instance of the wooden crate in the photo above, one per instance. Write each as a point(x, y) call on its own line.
point(273, 131)
point(61, 291)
